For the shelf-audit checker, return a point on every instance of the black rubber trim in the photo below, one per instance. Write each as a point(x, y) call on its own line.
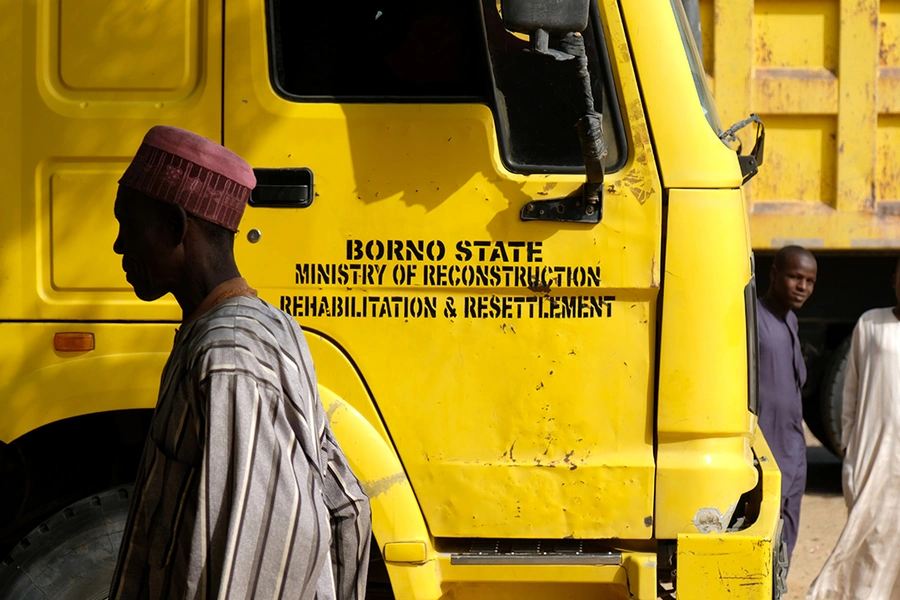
point(752, 340)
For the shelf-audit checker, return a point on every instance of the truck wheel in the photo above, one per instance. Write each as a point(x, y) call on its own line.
point(72, 555)
point(816, 362)
point(831, 398)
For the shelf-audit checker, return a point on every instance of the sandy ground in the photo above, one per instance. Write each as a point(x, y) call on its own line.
point(822, 517)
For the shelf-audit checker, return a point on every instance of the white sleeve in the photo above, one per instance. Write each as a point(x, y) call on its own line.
point(850, 397)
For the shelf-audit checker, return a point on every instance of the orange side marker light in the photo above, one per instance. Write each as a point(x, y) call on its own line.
point(73, 342)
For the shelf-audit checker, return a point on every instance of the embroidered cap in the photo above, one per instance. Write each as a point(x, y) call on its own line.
point(180, 167)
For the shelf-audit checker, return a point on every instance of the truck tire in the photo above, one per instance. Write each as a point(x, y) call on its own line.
point(816, 360)
point(831, 398)
point(72, 555)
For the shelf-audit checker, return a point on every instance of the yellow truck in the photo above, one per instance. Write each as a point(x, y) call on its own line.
point(825, 78)
point(535, 341)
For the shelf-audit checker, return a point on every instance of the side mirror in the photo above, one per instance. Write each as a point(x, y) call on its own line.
point(553, 16)
point(749, 162)
point(565, 20)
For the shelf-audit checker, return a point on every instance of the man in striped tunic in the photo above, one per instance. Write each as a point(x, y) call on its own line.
point(242, 491)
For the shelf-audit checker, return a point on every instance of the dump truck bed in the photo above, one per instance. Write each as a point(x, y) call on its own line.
point(824, 76)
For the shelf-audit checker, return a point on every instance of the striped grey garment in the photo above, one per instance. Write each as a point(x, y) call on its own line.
point(243, 491)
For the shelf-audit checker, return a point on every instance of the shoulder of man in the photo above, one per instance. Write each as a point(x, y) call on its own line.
point(245, 332)
point(764, 317)
point(875, 315)
point(792, 320)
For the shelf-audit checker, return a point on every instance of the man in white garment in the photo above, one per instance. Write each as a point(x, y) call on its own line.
point(865, 563)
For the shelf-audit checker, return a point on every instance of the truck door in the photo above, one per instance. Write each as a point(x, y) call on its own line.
point(396, 144)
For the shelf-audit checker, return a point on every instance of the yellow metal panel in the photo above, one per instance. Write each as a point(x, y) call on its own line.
point(395, 515)
point(788, 175)
point(641, 569)
point(887, 158)
point(794, 91)
point(704, 461)
point(683, 138)
point(94, 55)
point(636, 579)
point(75, 123)
point(81, 198)
point(92, 30)
point(508, 425)
point(795, 68)
point(732, 54)
point(737, 565)
point(887, 192)
point(41, 385)
point(796, 34)
point(559, 574)
point(888, 96)
point(857, 125)
point(824, 75)
point(11, 136)
point(828, 229)
point(335, 371)
point(534, 582)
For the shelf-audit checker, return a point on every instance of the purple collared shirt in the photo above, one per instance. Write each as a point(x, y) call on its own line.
point(782, 374)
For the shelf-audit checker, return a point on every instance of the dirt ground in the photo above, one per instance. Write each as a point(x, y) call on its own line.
point(822, 517)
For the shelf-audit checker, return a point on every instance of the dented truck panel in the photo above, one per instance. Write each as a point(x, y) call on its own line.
point(736, 564)
point(473, 329)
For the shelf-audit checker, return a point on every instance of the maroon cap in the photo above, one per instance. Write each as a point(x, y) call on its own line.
point(179, 167)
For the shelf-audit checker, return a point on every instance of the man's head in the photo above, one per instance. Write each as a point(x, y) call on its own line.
point(793, 277)
point(179, 204)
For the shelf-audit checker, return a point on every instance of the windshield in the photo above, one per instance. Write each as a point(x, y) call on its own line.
point(693, 55)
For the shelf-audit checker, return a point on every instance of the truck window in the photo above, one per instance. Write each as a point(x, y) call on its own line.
point(699, 74)
point(442, 51)
point(387, 50)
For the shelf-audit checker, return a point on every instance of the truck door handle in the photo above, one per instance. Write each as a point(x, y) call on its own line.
point(283, 188)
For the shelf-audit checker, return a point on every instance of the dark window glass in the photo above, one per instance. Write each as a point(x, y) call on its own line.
point(378, 49)
point(539, 100)
point(443, 51)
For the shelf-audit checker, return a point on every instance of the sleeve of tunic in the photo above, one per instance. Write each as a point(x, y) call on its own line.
point(850, 397)
point(350, 522)
point(260, 510)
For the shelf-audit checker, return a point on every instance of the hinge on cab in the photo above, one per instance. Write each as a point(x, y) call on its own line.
point(584, 207)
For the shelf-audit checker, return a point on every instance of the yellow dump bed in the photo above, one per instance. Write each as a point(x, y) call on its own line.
point(825, 78)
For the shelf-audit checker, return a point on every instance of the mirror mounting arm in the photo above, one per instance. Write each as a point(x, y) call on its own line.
point(750, 163)
point(586, 207)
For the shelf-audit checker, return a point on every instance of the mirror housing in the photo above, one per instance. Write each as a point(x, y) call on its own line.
point(553, 16)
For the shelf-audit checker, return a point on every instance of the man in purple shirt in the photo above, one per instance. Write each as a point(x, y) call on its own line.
point(782, 374)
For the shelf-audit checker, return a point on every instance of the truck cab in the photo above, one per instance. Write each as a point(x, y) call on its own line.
point(541, 370)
